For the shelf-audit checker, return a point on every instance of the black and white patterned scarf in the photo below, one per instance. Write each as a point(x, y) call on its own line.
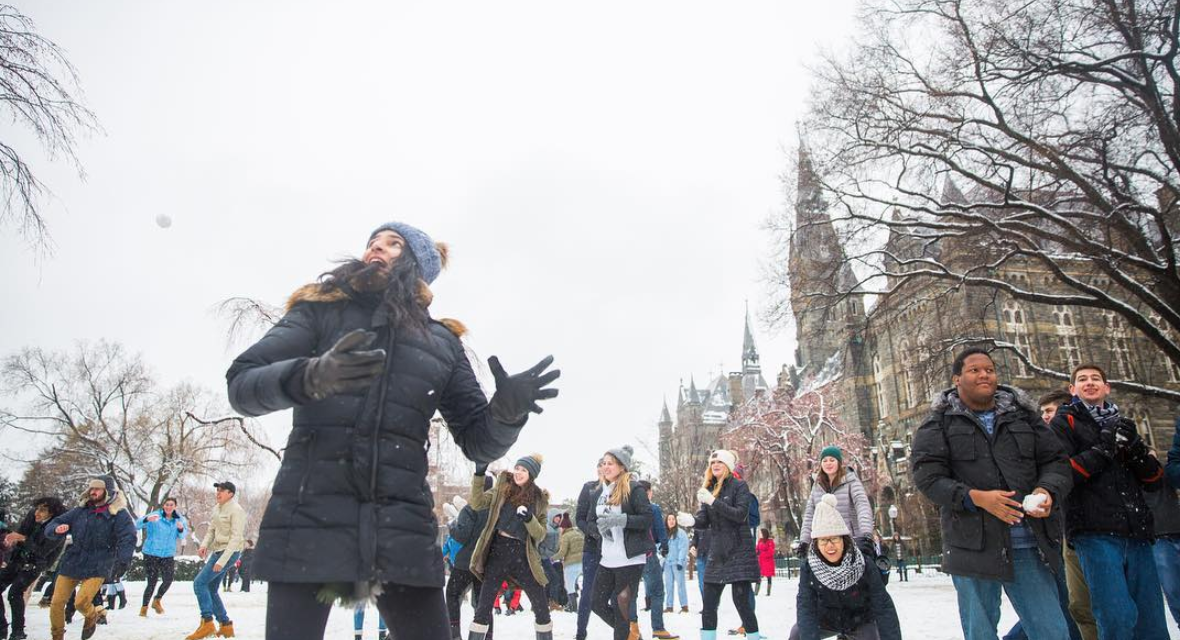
point(1106, 414)
point(842, 576)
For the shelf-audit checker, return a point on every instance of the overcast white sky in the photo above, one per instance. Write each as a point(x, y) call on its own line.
point(600, 170)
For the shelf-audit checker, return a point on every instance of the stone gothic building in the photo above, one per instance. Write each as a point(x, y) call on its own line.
point(890, 357)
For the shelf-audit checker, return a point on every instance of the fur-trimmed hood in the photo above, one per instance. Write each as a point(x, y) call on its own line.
point(116, 501)
point(1007, 399)
point(314, 293)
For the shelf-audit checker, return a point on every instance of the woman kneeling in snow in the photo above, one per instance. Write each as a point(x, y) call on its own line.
point(838, 593)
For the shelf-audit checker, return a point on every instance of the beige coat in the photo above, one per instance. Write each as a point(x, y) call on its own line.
point(227, 531)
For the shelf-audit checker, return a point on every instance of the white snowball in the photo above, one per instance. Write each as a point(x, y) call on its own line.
point(164, 221)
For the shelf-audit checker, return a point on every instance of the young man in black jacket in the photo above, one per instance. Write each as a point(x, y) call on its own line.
point(32, 553)
point(1108, 521)
point(980, 453)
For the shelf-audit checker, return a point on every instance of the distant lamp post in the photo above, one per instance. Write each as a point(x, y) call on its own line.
point(892, 519)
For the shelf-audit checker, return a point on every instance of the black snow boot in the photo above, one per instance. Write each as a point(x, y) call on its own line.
point(111, 602)
point(646, 603)
point(18, 634)
point(122, 599)
point(477, 632)
point(544, 631)
point(571, 606)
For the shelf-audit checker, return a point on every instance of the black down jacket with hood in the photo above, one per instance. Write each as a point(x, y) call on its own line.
point(952, 454)
point(731, 555)
point(351, 502)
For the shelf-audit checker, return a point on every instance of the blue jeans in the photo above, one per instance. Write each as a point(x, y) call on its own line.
point(206, 584)
point(1033, 593)
point(590, 562)
point(1017, 630)
point(358, 618)
point(1167, 565)
point(701, 575)
point(1124, 586)
point(674, 583)
point(653, 588)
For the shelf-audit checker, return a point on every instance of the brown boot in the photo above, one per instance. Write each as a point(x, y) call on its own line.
point(226, 630)
point(58, 635)
point(205, 630)
point(143, 612)
point(90, 622)
point(157, 607)
point(634, 635)
point(684, 609)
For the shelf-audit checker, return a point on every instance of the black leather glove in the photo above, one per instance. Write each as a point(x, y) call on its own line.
point(801, 551)
point(866, 547)
point(1107, 444)
point(517, 395)
point(346, 368)
point(664, 548)
point(1128, 439)
point(523, 512)
point(680, 567)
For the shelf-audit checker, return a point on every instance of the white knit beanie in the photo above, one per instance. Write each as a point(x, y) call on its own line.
point(726, 456)
point(827, 521)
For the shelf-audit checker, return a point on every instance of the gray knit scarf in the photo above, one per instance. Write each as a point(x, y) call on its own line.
point(1106, 414)
point(842, 576)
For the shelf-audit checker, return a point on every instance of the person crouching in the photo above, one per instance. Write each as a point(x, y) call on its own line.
point(839, 594)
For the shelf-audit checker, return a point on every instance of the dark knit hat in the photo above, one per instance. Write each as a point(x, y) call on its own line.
point(623, 455)
point(532, 463)
point(832, 451)
point(430, 260)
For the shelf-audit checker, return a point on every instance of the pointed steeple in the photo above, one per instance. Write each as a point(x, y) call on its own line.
point(749, 350)
point(809, 201)
point(693, 396)
point(680, 397)
point(665, 417)
point(951, 193)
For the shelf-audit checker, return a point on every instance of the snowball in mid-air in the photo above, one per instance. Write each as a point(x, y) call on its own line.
point(164, 221)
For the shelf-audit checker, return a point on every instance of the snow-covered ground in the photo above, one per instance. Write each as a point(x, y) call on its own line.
point(925, 604)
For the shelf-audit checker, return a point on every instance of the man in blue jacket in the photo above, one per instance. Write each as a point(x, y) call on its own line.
point(653, 571)
point(163, 529)
point(103, 535)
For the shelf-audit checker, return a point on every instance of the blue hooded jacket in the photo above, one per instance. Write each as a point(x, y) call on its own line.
point(162, 535)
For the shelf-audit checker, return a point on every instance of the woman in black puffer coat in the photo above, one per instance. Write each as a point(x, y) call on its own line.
point(840, 594)
point(725, 512)
point(365, 368)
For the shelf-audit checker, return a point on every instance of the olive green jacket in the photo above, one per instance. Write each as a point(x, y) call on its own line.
point(493, 500)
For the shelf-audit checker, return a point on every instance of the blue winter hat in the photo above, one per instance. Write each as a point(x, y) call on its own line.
point(430, 260)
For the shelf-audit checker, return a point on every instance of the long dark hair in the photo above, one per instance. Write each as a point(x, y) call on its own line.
point(401, 293)
point(51, 504)
point(526, 495)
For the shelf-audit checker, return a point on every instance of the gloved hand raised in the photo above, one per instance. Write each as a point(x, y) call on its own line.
point(705, 496)
point(1107, 443)
point(346, 368)
point(517, 395)
point(522, 512)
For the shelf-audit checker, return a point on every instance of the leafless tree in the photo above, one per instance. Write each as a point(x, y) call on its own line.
point(960, 139)
point(38, 91)
point(99, 410)
point(779, 435)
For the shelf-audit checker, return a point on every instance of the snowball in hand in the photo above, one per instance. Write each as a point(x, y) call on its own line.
point(1034, 501)
point(164, 221)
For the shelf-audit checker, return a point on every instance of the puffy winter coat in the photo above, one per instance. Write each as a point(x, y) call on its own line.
point(162, 536)
point(765, 549)
point(493, 501)
point(851, 501)
point(732, 557)
point(351, 502)
point(569, 550)
point(953, 454)
point(700, 540)
point(637, 532)
point(103, 537)
point(1107, 494)
point(38, 550)
point(678, 548)
point(592, 546)
point(465, 531)
point(844, 611)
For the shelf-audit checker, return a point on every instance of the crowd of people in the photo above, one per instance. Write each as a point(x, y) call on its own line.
point(1062, 506)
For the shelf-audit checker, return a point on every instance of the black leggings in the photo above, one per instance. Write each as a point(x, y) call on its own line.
point(457, 585)
point(294, 613)
point(157, 568)
point(507, 559)
point(614, 591)
point(740, 591)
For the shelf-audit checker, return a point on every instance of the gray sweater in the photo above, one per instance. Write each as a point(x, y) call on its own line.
point(851, 501)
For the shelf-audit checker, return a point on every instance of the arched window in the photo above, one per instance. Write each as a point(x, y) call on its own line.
point(879, 387)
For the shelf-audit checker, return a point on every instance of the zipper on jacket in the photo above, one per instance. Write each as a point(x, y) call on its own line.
point(375, 440)
point(307, 466)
